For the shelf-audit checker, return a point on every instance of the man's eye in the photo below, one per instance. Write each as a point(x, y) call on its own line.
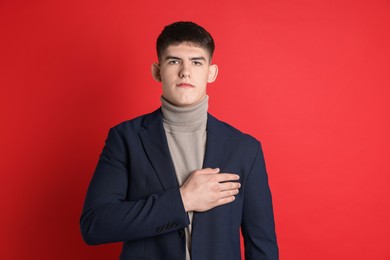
point(173, 62)
point(198, 63)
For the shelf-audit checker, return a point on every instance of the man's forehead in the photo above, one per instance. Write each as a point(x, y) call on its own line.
point(186, 49)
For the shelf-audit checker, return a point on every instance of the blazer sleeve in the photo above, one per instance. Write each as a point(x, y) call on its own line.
point(258, 226)
point(109, 217)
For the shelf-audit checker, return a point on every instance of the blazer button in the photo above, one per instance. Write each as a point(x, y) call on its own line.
point(181, 233)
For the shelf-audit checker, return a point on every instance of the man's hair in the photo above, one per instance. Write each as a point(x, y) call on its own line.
point(179, 32)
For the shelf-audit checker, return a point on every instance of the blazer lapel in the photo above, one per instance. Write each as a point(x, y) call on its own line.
point(215, 143)
point(156, 147)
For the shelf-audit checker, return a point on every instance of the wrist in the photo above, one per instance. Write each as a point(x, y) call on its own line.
point(184, 200)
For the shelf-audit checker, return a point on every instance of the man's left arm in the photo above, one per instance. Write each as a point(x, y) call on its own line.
point(258, 227)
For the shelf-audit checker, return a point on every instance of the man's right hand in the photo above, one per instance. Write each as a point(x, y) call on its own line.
point(207, 188)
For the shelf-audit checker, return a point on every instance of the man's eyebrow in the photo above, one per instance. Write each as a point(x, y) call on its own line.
point(198, 58)
point(172, 58)
point(177, 58)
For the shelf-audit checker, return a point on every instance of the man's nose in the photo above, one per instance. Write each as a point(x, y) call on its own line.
point(184, 71)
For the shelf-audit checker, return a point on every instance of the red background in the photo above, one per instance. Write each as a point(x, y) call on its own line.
point(313, 74)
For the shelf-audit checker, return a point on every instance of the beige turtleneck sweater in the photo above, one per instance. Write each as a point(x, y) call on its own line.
point(185, 128)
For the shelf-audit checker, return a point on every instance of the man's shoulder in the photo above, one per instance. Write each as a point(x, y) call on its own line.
point(232, 132)
point(137, 123)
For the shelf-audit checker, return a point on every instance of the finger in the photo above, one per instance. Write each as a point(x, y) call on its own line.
point(209, 171)
point(228, 193)
point(227, 177)
point(226, 200)
point(229, 186)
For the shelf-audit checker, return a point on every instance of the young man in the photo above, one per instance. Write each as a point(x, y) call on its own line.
point(178, 183)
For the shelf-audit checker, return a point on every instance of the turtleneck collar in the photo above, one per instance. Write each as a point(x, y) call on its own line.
point(185, 119)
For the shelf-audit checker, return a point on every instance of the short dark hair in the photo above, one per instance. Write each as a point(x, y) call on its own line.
point(178, 32)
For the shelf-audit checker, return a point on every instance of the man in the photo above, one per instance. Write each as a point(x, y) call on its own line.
point(178, 183)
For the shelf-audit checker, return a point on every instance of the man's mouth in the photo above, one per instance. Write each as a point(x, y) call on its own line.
point(185, 85)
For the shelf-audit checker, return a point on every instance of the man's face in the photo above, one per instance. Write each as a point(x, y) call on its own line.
point(184, 72)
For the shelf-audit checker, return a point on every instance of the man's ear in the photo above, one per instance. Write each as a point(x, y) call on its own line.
point(213, 72)
point(156, 72)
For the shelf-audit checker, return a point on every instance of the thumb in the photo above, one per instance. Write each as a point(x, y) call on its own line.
point(210, 170)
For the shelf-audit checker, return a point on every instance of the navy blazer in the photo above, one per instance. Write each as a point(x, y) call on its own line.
point(134, 197)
